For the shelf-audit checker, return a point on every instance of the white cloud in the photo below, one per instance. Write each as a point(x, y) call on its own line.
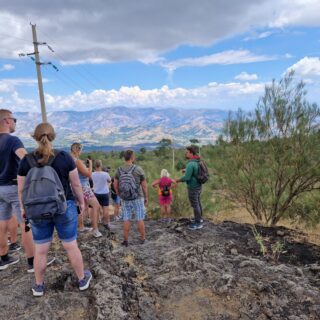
point(244, 76)
point(223, 58)
point(112, 31)
point(307, 67)
point(9, 85)
point(7, 67)
point(215, 95)
point(261, 35)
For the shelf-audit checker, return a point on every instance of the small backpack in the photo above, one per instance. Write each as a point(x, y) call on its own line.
point(165, 191)
point(128, 189)
point(43, 194)
point(203, 172)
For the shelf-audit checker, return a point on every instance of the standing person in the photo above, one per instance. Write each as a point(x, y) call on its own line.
point(89, 197)
point(101, 180)
point(11, 151)
point(65, 224)
point(193, 185)
point(116, 201)
point(164, 186)
point(131, 185)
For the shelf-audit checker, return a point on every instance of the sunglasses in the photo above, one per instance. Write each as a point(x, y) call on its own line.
point(14, 119)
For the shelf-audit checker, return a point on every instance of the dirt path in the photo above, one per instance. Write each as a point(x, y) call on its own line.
point(215, 273)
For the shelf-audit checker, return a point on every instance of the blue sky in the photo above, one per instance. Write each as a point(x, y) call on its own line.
point(179, 53)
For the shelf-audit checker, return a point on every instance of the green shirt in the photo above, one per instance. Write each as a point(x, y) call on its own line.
point(190, 176)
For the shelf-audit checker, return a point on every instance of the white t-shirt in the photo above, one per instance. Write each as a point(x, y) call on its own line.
point(100, 182)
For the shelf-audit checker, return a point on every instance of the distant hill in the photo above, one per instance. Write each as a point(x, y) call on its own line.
point(120, 127)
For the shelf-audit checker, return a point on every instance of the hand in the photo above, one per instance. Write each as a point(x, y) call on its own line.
point(145, 202)
point(81, 207)
point(23, 214)
point(176, 180)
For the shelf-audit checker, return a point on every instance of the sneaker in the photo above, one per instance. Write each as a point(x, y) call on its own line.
point(192, 220)
point(195, 226)
point(5, 264)
point(144, 241)
point(125, 243)
point(96, 233)
point(85, 282)
point(118, 218)
point(38, 290)
point(50, 260)
point(13, 247)
point(85, 229)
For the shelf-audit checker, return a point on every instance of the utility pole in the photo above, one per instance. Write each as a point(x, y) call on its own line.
point(38, 67)
point(172, 145)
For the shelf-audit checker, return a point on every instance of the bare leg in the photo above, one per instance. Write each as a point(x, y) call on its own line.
point(126, 229)
point(75, 257)
point(40, 261)
point(27, 241)
point(4, 237)
point(106, 217)
point(13, 229)
point(162, 211)
point(95, 212)
point(141, 229)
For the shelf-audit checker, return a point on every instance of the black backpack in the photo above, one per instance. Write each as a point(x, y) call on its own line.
point(165, 191)
point(203, 172)
point(43, 194)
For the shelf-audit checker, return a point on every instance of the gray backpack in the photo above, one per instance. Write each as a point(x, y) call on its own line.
point(128, 189)
point(43, 194)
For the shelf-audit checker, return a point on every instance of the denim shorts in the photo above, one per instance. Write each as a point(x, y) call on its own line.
point(116, 200)
point(65, 224)
point(9, 203)
point(136, 206)
point(103, 199)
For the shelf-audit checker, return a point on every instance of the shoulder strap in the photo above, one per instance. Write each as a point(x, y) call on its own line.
point(132, 168)
point(31, 160)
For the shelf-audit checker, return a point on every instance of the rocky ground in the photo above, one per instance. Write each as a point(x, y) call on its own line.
point(215, 273)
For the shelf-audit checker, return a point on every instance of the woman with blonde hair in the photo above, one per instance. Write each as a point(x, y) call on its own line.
point(89, 197)
point(164, 186)
point(65, 224)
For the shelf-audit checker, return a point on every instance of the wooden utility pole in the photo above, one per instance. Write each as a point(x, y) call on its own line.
point(38, 67)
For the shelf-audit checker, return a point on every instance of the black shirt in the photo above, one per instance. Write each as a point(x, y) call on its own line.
point(62, 164)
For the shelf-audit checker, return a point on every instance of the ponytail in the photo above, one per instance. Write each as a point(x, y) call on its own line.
point(44, 135)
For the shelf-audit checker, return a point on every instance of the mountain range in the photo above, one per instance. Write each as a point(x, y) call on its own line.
point(121, 127)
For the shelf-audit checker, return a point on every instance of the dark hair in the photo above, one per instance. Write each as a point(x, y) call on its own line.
point(128, 155)
point(193, 149)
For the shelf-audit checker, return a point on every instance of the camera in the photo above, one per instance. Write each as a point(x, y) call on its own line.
point(27, 225)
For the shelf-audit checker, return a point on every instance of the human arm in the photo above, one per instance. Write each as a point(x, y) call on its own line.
point(116, 186)
point(83, 169)
point(144, 187)
point(76, 188)
point(21, 152)
point(155, 183)
point(187, 175)
point(20, 188)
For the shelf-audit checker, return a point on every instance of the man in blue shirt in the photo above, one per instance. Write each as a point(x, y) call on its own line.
point(11, 151)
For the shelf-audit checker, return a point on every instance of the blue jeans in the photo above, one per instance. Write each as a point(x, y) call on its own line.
point(65, 224)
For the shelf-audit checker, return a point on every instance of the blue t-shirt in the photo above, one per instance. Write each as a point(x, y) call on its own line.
point(9, 161)
point(63, 164)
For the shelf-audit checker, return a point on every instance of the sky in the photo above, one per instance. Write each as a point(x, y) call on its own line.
point(217, 54)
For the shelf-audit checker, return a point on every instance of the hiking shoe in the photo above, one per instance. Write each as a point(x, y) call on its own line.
point(125, 243)
point(8, 262)
point(96, 233)
point(38, 290)
point(13, 247)
point(195, 226)
point(144, 241)
point(50, 260)
point(85, 229)
point(85, 282)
